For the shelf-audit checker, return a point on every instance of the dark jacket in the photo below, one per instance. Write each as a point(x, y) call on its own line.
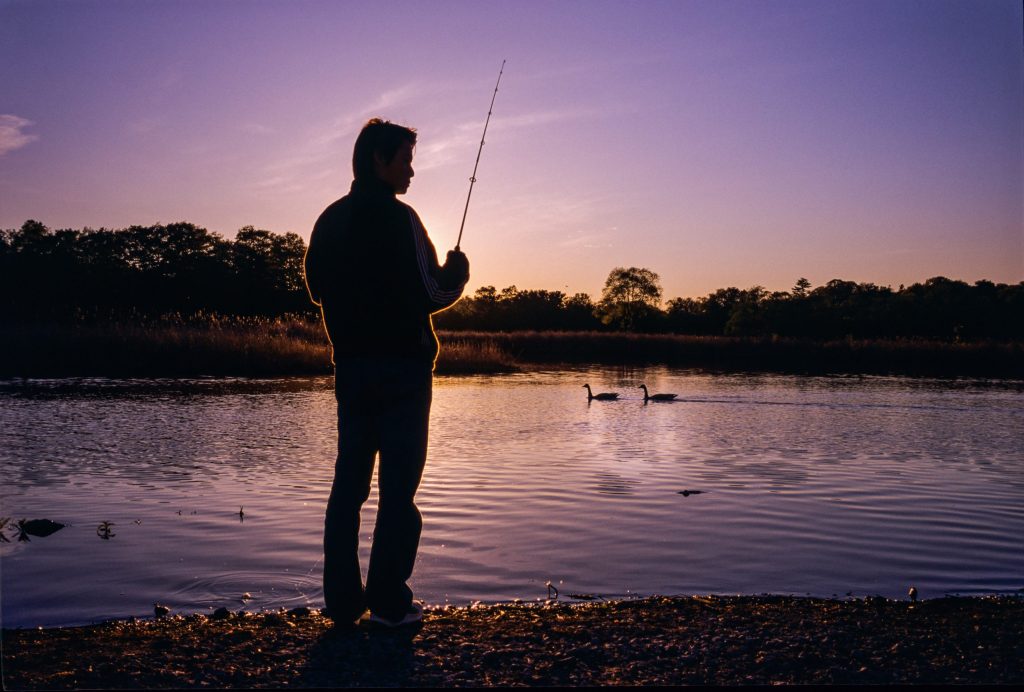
point(374, 273)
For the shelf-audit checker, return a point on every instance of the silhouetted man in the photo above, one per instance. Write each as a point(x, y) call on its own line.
point(374, 273)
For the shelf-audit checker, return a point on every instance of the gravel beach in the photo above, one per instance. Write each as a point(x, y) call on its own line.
point(669, 641)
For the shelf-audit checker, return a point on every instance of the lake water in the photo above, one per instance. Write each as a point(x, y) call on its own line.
point(810, 485)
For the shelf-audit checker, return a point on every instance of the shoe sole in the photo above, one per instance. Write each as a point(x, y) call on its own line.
point(375, 621)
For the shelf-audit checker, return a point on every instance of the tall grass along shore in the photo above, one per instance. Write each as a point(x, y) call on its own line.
point(872, 356)
point(703, 640)
point(196, 346)
point(212, 345)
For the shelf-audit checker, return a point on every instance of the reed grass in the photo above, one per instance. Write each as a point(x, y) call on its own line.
point(217, 345)
point(200, 345)
point(472, 356)
point(165, 348)
point(771, 354)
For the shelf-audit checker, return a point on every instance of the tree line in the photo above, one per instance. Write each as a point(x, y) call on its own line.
point(939, 308)
point(148, 271)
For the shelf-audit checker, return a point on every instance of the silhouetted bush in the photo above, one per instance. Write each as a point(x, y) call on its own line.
point(144, 272)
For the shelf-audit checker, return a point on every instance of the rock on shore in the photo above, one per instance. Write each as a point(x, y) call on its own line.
point(683, 640)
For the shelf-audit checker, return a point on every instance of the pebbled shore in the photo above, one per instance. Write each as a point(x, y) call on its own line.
point(681, 640)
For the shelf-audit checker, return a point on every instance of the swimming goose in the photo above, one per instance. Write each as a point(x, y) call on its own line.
point(656, 397)
point(603, 396)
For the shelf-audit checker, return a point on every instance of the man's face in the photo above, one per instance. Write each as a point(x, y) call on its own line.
point(398, 172)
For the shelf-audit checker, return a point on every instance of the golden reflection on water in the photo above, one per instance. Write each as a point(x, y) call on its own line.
point(820, 485)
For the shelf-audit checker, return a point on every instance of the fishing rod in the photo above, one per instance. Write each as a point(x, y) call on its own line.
point(472, 178)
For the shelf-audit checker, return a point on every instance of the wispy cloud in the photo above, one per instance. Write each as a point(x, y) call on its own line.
point(252, 128)
point(526, 120)
point(437, 152)
point(316, 156)
point(464, 137)
point(12, 135)
point(397, 96)
point(588, 241)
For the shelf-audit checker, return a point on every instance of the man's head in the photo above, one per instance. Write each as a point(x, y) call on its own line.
point(384, 151)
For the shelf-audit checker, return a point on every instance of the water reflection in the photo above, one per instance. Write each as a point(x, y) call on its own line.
point(24, 528)
point(747, 484)
point(609, 483)
point(155, 388)
point(157, 434)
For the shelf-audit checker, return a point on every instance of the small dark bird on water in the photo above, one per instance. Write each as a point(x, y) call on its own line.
point(656, 397)
point(603, 396)
point(687, 493)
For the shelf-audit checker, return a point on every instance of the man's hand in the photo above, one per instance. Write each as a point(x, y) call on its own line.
point(456, 267)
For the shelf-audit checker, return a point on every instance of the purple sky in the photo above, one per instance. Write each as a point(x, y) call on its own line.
point(716, 143)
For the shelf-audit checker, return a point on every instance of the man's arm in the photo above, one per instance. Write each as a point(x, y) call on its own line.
point(443, 285)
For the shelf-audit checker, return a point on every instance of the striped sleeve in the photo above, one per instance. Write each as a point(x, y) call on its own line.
point(440, 297)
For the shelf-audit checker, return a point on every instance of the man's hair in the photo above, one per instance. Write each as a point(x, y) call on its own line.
point(378, 137)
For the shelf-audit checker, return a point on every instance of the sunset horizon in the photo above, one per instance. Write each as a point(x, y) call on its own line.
point(721, 382)
point(717, 144)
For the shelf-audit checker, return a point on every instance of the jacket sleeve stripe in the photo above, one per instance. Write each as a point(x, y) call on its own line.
point(439, 297)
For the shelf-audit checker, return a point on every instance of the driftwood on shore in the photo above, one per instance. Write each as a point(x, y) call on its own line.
point(691, 640)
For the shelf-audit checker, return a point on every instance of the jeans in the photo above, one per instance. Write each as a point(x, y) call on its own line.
point(383, 408)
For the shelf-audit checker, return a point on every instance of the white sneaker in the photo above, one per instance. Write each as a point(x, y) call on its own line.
point(413, 616)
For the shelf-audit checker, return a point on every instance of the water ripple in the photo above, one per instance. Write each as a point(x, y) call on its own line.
point(815, 485)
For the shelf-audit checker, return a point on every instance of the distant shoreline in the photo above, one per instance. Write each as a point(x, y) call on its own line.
point(260, 347)
point(705, 640)
point(917, 357)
